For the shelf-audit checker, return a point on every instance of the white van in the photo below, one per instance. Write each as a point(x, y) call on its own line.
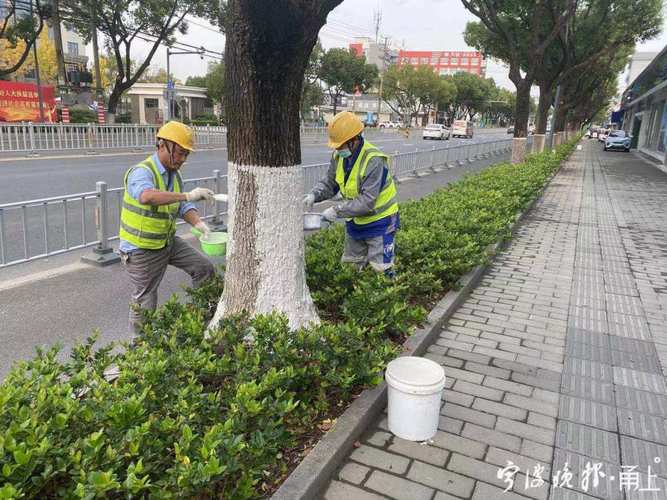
point(462, 128)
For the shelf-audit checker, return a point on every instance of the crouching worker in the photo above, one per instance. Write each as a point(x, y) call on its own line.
point(152, 201)
point(360, 172)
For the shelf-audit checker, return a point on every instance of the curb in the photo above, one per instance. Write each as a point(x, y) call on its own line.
point(315, 471)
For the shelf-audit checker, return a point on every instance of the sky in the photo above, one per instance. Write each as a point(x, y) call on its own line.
point(409, 24)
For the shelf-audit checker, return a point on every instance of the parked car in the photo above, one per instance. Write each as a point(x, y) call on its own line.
point(510, 129)
point(387, 125)
point(617, 139)
point(436, 131)
point(462, 128)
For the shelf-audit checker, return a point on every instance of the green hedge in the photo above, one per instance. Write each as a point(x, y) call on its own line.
point(222, 417)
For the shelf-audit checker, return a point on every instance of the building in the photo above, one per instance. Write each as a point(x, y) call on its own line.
point(148, 103)
point(644, 109)
point(365, 106)
point(637, 64)
point(445, 62)
point(380, 54)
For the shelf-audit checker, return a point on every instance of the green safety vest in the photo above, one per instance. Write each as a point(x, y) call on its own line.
point(385, 204)
point(149, 227)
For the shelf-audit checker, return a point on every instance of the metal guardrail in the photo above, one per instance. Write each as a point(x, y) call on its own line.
point(35, 229)
point(31, 138)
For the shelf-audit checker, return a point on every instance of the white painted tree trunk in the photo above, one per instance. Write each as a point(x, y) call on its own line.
point(273, 277)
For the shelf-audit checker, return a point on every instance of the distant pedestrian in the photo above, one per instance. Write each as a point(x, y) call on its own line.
point(360, 172)
point(152, 202)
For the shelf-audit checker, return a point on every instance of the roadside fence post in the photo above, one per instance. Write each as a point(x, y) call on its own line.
point(103, 254)
point(218, 222)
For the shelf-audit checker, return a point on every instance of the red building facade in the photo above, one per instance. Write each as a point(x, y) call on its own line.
point(445, 62)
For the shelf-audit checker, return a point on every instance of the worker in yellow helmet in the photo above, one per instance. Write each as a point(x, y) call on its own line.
point(360, 172)
point(154, 198)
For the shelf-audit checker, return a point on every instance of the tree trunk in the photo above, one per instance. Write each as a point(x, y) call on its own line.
point(267, 50)
point(521, 113)
point(58, 43)
point(543, 106)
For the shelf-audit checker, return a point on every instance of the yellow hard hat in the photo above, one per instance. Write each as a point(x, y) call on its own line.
point(177, 132)
point(343, 127)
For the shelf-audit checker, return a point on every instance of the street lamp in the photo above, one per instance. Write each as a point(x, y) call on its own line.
point(170, 85)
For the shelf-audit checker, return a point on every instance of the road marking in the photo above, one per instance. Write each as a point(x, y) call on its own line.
point(42, 275)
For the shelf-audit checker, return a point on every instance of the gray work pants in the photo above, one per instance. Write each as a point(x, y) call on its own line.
point(147, 267)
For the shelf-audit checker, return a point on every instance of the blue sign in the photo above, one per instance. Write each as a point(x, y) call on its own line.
point(170, 84)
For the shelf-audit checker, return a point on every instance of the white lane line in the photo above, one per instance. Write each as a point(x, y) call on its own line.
point(42, 275)
point(69, 157)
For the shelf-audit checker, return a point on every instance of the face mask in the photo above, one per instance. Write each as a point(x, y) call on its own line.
point(344, 153)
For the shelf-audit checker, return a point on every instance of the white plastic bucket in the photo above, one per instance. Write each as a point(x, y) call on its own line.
point(415, 395)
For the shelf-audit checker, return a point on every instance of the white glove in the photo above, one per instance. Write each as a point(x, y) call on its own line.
point(199, 193)
point(203, 228)
point(308, 201)
point(330, 214)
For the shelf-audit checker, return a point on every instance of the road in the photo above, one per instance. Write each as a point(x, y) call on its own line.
point(34, 178)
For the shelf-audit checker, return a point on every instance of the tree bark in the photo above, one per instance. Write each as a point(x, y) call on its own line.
point(266, 54)
point(543, 106)
point(522, 111)
point(58, 43)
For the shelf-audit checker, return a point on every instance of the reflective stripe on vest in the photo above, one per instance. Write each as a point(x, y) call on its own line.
point(149, 226)
point(386, 203)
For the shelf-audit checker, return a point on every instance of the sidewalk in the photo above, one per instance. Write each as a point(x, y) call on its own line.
point(558, 357)
point(65, 302)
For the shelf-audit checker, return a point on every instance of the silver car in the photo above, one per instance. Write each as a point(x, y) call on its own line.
point(617, 139)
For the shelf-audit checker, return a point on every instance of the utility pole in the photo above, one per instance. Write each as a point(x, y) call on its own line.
point(169, 94)
point(382, 69)
point(377, 20)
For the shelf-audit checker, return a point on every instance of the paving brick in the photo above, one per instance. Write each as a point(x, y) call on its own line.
point(485, 491)
point(600, 354)
point(499, 409)
point(483, 327)
point(477, 469)
point(398, 487)
point(513, 366)
point(548, 396)
point(642, 426)
point(469, 356)
point(424, 452)
point(495, 353)
point(373, 457)
point(353, 473)
point(496, 337)
point(643, 454)
point(506, 385)
point(586, 368)
point(343, 491)
point(642, 401)
point(640, 380)
point(491, 437)
point(478, 390)
point(538, 451)
point(458, 398)
point(576, 464)
point(379, 439)
point(439, 495)
point(585, 411)
point(468, 415)
point(459, 444)
point(477, 340)
point(540, 362)
point(487, 370)
point(500, 457)
point(533, 404)
point(453, 344)
point(458, 374)
point(441, 479)
point(588, 441)
point(448, 424)
point(587, 388)
point(467, 330)
point(542, 420)
point(544, 436)
point(531, 380)
point(523, 486)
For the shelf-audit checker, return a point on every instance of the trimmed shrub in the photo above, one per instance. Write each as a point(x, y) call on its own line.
point(192, 416)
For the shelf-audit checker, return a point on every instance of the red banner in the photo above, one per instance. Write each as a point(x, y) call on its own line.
point(19, 102)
